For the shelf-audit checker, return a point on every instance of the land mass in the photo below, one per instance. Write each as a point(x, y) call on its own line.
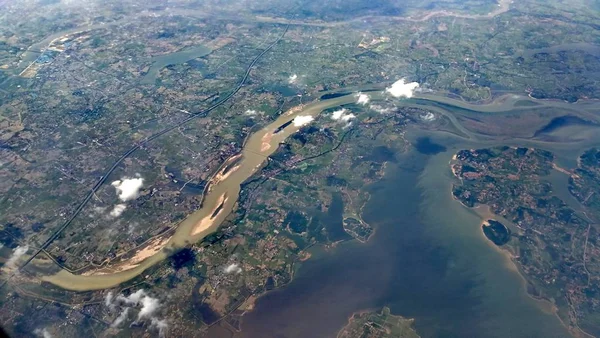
point(554, 242)
point(372, 324)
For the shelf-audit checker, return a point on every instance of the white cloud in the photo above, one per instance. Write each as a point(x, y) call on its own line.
point(342, 115)
point(42, 333)
point(362, 98)
point(233, 268)
point(128, 188)
point(336, 115)
point(99, 209)
point(348, 117)
point(121, 318)
point(381, 109)
point(14, 258)
point(109, 298)
point(302, 120)
point(402, 89)
point(253, 113)
point(118, 210)
point(131, 227)
point(149, 306)
point(428, 117)
point(161, 325)
point(134, 298)
point(293, 78)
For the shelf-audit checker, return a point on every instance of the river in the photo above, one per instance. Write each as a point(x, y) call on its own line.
point(224, 192)
point(428, 258)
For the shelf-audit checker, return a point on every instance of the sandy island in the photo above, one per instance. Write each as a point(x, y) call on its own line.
point(209, 219)
point(266, 142)
point(149, 250)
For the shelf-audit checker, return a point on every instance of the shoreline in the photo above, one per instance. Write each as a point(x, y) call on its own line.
point(548, 305)
point(381, 311)
point(71, 281)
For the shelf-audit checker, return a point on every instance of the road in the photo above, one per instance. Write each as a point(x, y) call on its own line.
point(147, 140)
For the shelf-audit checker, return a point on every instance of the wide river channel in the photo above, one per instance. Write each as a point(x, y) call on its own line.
point(427, 259)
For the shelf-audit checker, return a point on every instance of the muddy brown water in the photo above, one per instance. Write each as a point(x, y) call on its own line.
point(428, 258)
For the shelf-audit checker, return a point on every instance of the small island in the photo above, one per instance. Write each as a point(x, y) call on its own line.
point(358, 229)
point(378, 325)
point(496, 232)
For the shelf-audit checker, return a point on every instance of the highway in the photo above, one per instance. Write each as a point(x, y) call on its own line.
point(147, 140)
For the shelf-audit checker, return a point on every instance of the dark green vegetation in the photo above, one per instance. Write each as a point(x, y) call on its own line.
point(496, 232)
point(183, 258)
point(359, 229)
point(556, 243)
point(584, 184)
point(377, 325)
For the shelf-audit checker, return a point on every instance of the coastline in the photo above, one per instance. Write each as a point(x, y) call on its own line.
point(305, 255)
point(384, 311)
point(484, 213)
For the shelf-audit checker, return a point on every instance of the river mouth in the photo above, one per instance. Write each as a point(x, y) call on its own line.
point(428, 260)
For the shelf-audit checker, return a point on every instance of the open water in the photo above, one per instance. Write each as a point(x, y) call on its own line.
point(428, 260)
